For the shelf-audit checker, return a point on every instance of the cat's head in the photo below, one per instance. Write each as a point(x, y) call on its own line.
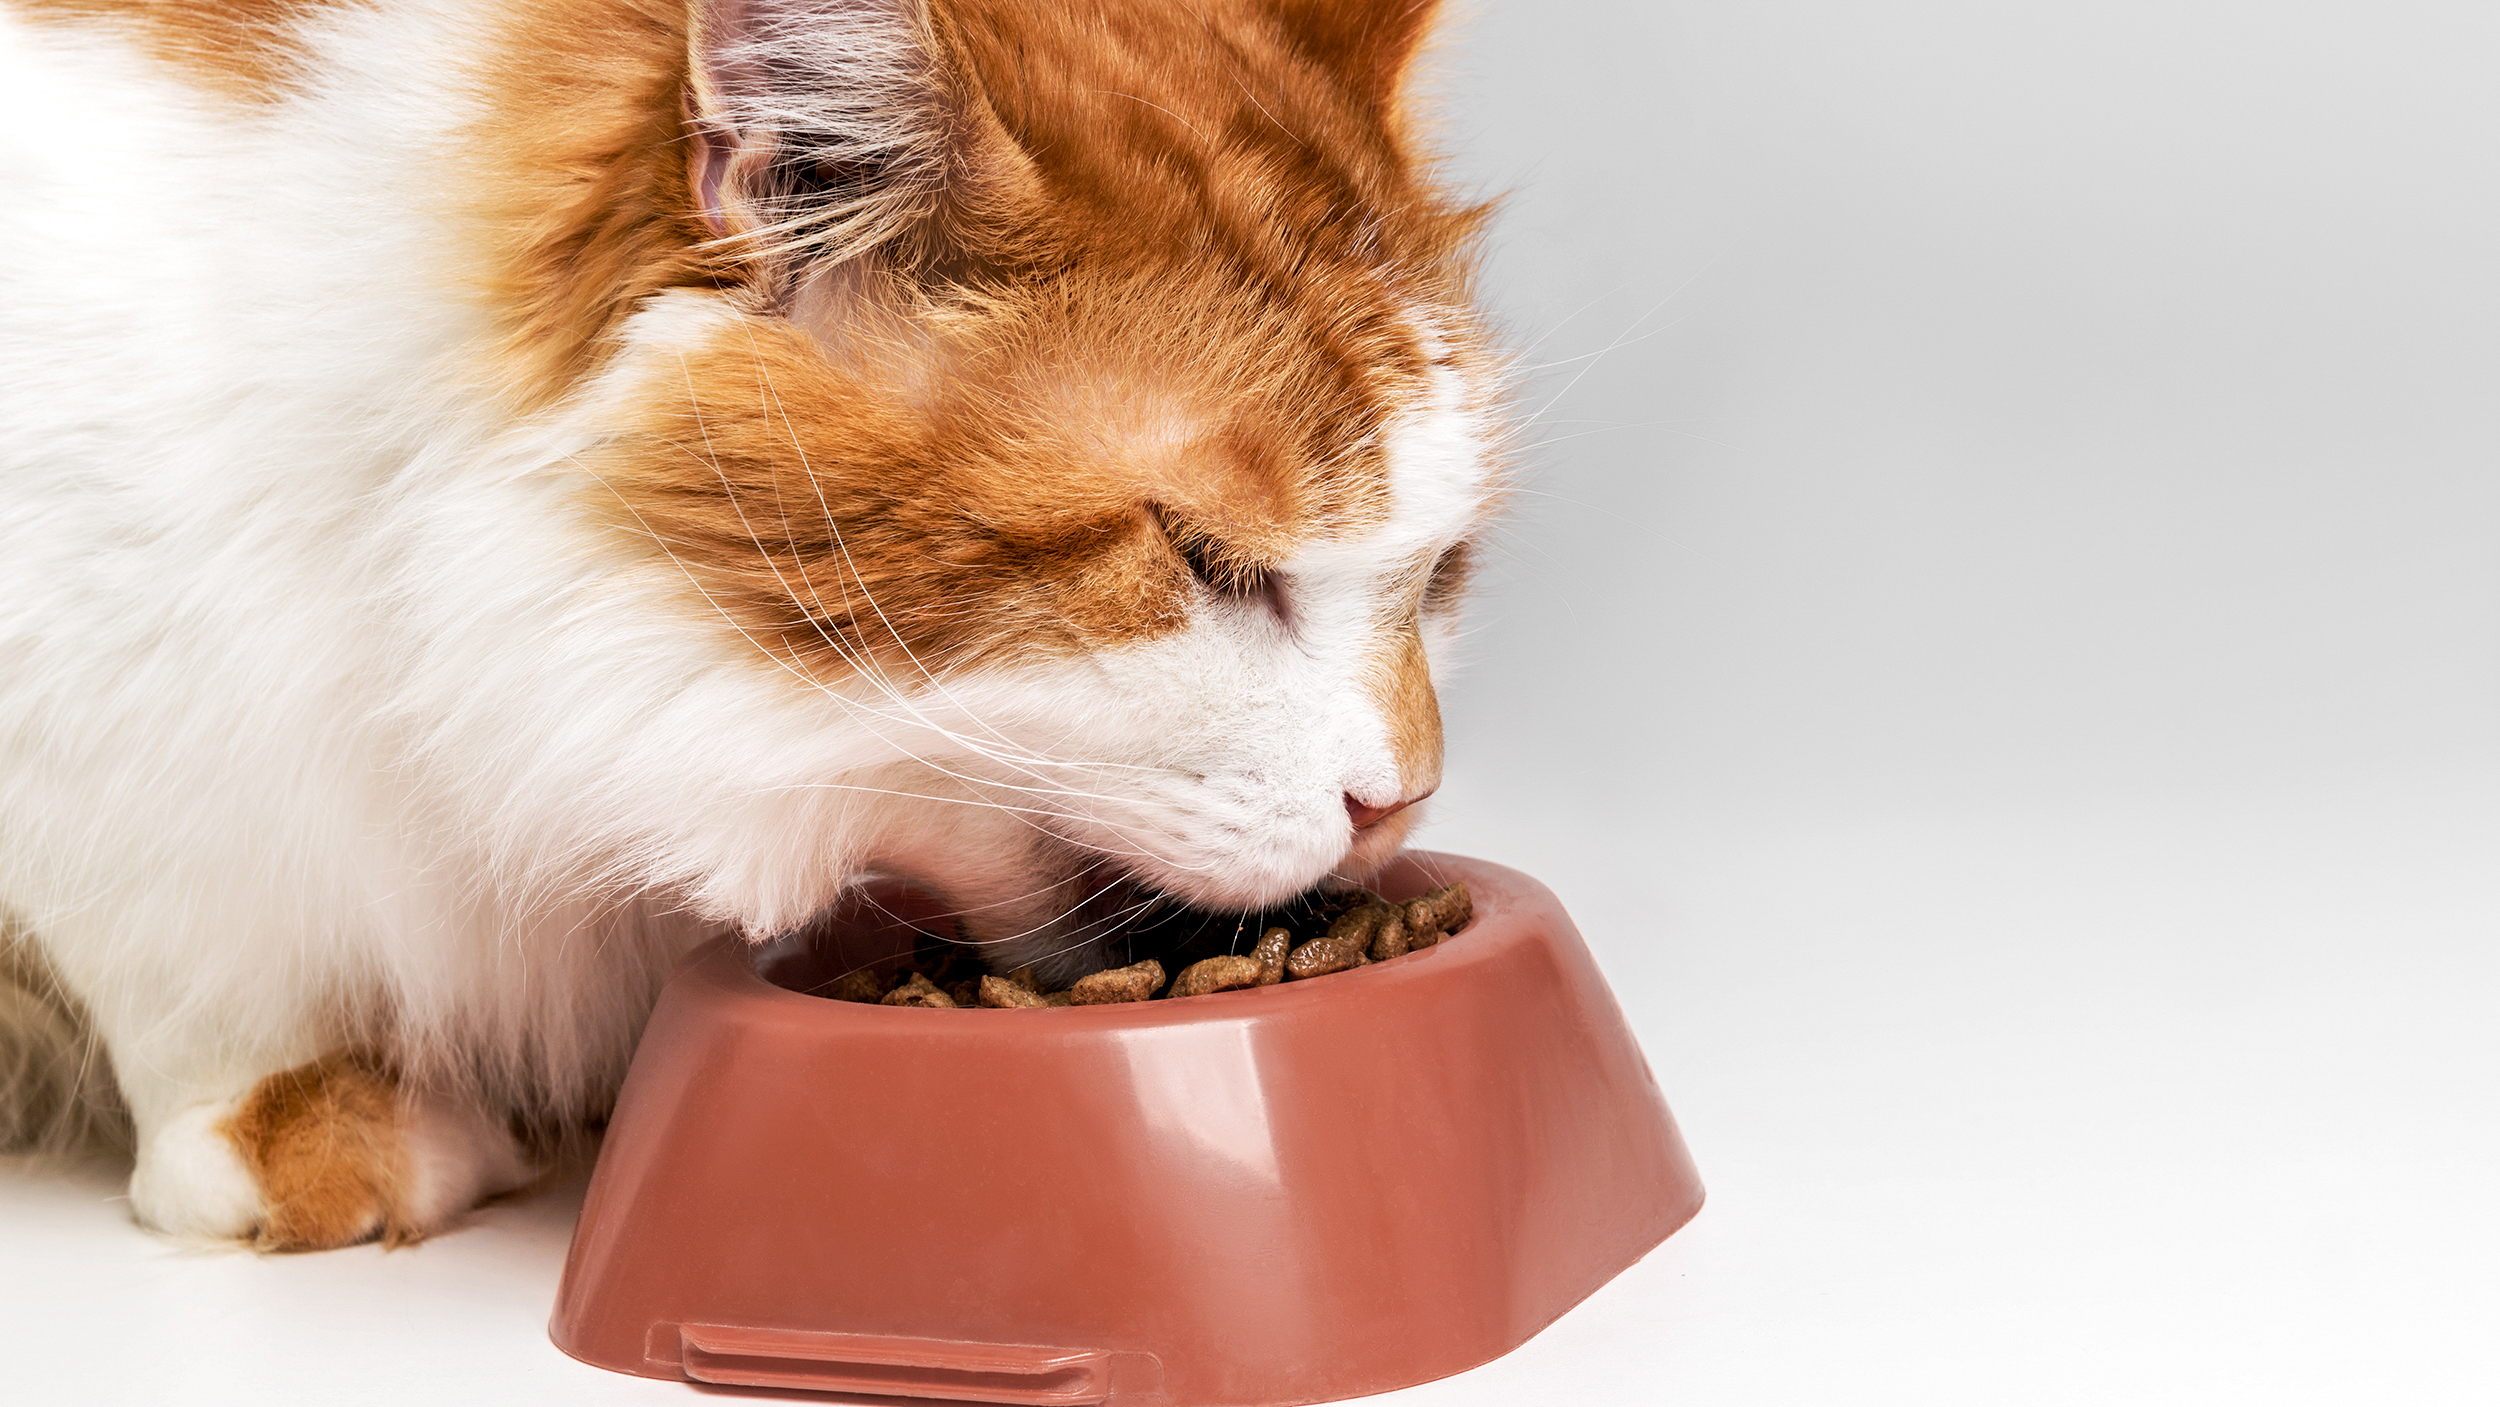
point(1092, 413)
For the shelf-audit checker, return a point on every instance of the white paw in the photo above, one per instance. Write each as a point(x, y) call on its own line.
point(191, 1180)
point(457, 1157)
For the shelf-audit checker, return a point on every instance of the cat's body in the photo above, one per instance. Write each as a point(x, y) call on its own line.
point(480, 510)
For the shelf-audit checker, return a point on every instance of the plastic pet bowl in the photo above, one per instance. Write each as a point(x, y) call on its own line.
point(1287, 1194)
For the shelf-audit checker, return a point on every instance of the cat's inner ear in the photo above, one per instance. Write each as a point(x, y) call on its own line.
point(817, 129)
point(1370, 43)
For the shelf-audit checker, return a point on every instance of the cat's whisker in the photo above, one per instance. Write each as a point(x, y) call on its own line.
point(1015, 759)
point(1624, 339)
point(870, 672)
point(865, 665)
point(807, 678)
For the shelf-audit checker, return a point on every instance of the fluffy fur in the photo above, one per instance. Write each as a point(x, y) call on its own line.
point(491, 494)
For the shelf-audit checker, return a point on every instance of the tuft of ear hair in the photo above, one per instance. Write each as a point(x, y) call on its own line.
point(818, 128)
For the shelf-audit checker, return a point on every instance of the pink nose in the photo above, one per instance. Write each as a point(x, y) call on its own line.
point(1366, 815)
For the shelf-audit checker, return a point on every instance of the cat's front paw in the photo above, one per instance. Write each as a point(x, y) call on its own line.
point(327, 1154)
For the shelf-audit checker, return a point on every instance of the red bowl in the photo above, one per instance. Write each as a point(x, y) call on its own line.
point(1286, 1194)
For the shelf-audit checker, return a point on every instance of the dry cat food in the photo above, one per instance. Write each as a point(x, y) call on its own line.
point(1311, 937)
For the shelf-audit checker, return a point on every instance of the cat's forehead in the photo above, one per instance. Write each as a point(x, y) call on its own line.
point(1269, 433)
point(1145, 127)
point(1228, 269)
point(1439, 472)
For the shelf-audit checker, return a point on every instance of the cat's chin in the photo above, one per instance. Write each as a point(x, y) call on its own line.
point(1258, 877)
point(1125, 884)
point(1065, 913)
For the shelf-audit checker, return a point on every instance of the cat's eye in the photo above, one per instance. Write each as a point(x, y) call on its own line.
point(1198, 556)
point(1219, 571)
point(1228, 574)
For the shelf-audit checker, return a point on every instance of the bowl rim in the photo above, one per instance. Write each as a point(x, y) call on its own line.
point(1502, 908)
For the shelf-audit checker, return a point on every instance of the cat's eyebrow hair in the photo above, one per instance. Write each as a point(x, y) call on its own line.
point(1188, 530)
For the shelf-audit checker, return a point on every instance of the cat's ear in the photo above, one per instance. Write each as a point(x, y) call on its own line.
point(818, 129)
point(1371, 43)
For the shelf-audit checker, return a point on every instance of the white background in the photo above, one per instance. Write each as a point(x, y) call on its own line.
point(2000, 648)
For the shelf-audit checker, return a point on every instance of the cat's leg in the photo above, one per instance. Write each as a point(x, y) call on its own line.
point(328, 1153)
point(264, 1137)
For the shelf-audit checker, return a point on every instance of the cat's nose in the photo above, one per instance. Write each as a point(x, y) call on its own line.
point(1365, 814)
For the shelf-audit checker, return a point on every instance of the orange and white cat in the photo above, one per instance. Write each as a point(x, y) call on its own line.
point(493, 492)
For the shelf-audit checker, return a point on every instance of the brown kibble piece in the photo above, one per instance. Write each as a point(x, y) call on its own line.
point(1421, 931)
point(1359, 923)
point(1373, 926)
point(1270, 955)
point(1059, 999)
point(1216, 974)
point(1133, 983)
point(918, 990)
point(1434, 916)
point(1389, 939)
point(1023, 977)
point(1006, 992)
point(1321, 956)
point(860, 986)
point(966, 992)
point(1337, 903)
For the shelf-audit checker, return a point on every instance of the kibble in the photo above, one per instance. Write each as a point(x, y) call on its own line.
point(1270, 955)
point(859, 986)
point(1005, 992)
point(1217, 974)
point(1322, 956)
point(1372, 926)
point(918, 990)
point(1389, 940)
point(1434, 916)
point(1359, 928)
point(1133, 983)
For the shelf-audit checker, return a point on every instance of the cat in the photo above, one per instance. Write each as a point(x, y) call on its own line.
point(496, 492)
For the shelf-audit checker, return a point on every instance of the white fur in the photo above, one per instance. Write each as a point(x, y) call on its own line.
point(456, 1157)
point(325, 716)
point(191, 1182)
